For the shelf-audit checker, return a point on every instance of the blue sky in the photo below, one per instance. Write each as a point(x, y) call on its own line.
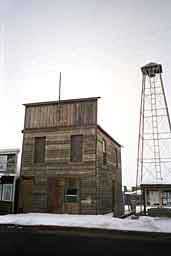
point(99, 46)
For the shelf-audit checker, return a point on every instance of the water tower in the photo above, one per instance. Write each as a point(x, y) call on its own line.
point(154, 141)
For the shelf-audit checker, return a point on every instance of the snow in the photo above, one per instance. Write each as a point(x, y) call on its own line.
point(144, 223)
point(138, 192)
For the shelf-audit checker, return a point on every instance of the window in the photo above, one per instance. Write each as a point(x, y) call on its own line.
point(0, 191)
point(7, 192)
point(76, 148)
point(104, 152)
point(116, 158)
point(71, 193)
point(39, 149)
point(3, 163)
point(11, 159)
point(166, 198)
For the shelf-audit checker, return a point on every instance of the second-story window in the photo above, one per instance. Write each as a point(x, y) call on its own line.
point(3, 163)
point(116, 158)
point(76, 148)
point(39, 149)
point(104, 152)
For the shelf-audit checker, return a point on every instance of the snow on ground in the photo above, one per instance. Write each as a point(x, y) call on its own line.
point(144, 223)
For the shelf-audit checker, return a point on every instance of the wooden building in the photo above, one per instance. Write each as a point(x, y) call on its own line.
point(69, 163)
point(8, 180)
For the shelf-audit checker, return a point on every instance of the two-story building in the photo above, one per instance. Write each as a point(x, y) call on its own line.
point(8, 178)
point(69, 163)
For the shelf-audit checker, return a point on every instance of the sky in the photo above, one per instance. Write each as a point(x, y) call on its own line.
point(98, 45)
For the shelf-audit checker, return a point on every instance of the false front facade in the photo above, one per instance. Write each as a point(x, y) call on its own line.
point(69, 163)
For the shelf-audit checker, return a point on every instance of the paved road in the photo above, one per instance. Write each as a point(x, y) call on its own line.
point(63, 242)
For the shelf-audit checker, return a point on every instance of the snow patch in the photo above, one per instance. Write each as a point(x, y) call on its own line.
point(144, 223)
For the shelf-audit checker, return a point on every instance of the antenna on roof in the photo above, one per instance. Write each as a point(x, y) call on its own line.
point(59, 87)
point(59, 109)
point(2, 49)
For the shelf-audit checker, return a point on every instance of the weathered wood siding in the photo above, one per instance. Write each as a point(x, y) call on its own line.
point(109, 182)
point(57, 124)
point(88, 194)
point(58, 152)
point(47, 197)
point(65, 114)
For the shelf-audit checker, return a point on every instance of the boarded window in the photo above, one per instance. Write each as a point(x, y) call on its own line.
point(39, 150)
point(71, 194)
point(76, 148)
point(104, 152)
point(116, 158)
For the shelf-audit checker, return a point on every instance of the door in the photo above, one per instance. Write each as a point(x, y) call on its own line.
point(27, 187)
point(55, 195)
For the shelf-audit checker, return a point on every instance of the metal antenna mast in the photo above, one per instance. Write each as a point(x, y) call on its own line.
point(2, 51)
point(154, 141)
point(59, 109)
point(59, 87)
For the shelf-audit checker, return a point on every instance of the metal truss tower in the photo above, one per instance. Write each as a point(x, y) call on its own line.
point(154, 141)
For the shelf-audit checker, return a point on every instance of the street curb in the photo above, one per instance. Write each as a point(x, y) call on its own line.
point(83, 231)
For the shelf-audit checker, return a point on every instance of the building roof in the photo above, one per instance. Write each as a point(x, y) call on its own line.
point(9, 151)
point(103, 131)
point(161, 185)
point(61, 101)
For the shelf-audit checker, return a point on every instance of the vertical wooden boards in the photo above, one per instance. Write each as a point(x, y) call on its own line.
point(71, 114)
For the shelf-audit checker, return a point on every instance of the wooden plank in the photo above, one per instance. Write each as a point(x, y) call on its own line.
point(79, 113)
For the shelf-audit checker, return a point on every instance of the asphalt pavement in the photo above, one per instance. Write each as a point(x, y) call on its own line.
point(16, 240)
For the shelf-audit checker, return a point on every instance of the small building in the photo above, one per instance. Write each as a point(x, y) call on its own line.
point(69, 163)
point(157, 199)
point(8, 178)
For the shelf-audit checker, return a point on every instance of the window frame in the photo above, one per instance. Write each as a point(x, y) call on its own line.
point(104, 150)
point(5, 192)
point(73, 158)
point(116, 158)
point(36, 159)
point(71, 198)
point(4, 163)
